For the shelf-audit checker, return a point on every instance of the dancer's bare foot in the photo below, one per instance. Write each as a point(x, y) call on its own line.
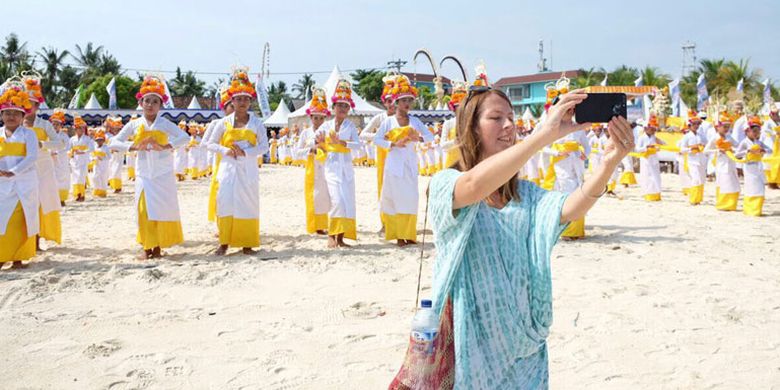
point(37, 243)
point(145, 254)
point(322, 232)
point(341, 243)
point(62, 203)
point(157, 253)
point(332, 242)
point(221, 250)
point(400, 243)
point(411, 242)
point(18, 265)
point(248, 251)
point(117, 190)
point(80, 198)
point(773, 186)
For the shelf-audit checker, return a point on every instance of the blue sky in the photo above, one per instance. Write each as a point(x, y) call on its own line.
point(315, 35)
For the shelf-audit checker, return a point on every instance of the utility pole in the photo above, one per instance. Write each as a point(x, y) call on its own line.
point(397, 64)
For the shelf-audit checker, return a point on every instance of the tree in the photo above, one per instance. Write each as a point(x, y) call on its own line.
point(652, 76)
point(109, 64)
point(623, 75)
point(15, 55)
point(187, 84)
point(303, 86)
point(425, 97)
point(368, 84)
point(277, 92)
point(589, 77)
point(52, 60)
point(89, 58)
point(126, 88)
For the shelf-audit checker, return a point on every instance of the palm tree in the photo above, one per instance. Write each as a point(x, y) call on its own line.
point(653, 76)
point(187, 84)
point(303, 85)
point(52, 62)
point(15, 55)
point(89, 58)
point(277, 92)
point(623, 76)
point(589, 77)
point(109, 65)
point(734, 72)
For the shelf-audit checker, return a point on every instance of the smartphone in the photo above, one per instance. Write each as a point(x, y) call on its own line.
point(601, 108)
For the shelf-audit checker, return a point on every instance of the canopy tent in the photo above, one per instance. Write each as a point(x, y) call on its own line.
point(92, 103)
point(527, 116)
point(194, 105)
point(362, 108)
point(279, 117)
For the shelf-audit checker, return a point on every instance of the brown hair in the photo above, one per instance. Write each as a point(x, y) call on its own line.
point(469, 141)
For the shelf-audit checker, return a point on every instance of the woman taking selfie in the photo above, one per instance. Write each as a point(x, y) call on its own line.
point(494, 236)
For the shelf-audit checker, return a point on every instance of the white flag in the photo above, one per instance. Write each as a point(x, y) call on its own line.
point(640, 82)
point(674, 93)
point(604, 82)
point(262, 97)
point(169, 104)
point(741, 85)
point(701, 92)
point(767, 92)
point(111, 89)
point(74, 101)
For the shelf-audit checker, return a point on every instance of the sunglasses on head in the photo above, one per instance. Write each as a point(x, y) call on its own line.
point(473, 91)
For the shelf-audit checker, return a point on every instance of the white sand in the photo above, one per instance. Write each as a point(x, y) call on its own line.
point(660, 295)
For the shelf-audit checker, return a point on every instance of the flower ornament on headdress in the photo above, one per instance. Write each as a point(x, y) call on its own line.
point(13, 96)
point(100, 133)
point(693, 117)
point(387, 88)
point(115, 121)
point(403, 88)
point(459, 92)
point(58, 115)
point(652, 122)
point(78, 121)
point(556, 89)
point(32, 84)
point(520, 123)
point(152, 85)
point(343, 93)
point(319, 102)
point(725, 118)
point(481, 81)
point(240, 84)
point(182, 124)
point(754, 121)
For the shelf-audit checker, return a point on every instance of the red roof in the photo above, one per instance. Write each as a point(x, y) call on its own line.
point(535, 78)
point(425, 78)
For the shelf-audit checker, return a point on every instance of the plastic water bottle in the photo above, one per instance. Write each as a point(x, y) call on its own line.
point(425, 327)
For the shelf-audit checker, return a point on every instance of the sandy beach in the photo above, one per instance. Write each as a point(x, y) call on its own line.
point(659, 296)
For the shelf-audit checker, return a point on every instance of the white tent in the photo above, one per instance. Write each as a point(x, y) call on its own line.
point(194, 105)
point(361, 106)
point(92, 103)
point(279, 117)
point(527, 116)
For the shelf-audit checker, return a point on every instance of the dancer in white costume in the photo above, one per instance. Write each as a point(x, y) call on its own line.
point(649, 167)
point(726, 180)
point(337, 137)
point(154, 138)
point(399, 134)
point(48, 141)
point(61, 160)
point(80, 148)
point(239, 139)
point(315, 186)
point(752, 151)
point(19, 203)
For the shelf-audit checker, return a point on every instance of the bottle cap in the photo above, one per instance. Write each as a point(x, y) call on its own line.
point(426, 303)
